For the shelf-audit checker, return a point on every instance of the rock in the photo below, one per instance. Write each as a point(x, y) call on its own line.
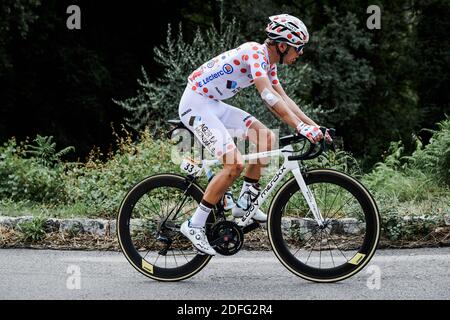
point(7, 222)
point(71, 225)
point(447, 219)
point(112, 228)
point(52, 225)
point(351, 226)
point(94, 226)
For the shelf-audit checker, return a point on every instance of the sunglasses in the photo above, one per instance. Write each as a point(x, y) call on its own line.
point(299, 49)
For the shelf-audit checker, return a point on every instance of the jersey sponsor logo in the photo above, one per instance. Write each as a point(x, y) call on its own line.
point(206, 136)
point(231, 84)
point(211, 64)
point(186, 112)
point(195, 75)
point(217, 89)
point(228, 68)
point(264, 65)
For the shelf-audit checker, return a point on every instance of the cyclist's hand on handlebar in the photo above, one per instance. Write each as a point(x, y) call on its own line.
point(328, 138)
point(313, 133)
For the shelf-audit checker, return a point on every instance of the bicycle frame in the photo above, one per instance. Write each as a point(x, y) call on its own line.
point(288, 166)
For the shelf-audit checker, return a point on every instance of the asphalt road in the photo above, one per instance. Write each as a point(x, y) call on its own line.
point(46, 274)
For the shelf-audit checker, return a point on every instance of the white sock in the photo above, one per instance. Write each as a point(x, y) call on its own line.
point(200, 216)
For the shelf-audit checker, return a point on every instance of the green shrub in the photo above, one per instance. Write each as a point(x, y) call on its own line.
point(102, 185)
point(28, 178)
point(34, 230)
point(434, 158)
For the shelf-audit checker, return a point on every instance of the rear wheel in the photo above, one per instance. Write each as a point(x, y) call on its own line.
point(340, 248)
point(148, 227)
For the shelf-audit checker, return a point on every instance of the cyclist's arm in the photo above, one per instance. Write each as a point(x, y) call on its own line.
point(293, 106)
point(281, 108)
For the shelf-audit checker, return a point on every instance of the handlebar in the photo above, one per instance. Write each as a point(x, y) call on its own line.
point(309, 154)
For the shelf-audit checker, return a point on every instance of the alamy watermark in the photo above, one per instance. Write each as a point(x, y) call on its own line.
point(73, 281)
point(374, 280)
point(374, 20)
point(73, 22)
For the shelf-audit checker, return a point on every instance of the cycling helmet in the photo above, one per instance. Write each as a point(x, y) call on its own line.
point(288, 29)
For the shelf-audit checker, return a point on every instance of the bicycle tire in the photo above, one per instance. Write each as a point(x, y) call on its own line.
point(371, 231)
point(125, 238)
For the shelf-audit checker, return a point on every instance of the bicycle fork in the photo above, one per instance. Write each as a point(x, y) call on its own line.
point(288, 166)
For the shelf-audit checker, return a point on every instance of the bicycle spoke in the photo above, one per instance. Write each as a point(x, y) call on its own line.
point(157, 257)
point(338, 248)
point(331, 252)
point(320, 250)
point(305, 244)
point(173, 253)
point(350, 198)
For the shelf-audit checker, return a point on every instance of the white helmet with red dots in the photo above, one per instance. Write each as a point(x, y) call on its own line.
point(288, 29)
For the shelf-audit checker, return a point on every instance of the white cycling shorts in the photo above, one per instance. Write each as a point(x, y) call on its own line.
point(213, 122)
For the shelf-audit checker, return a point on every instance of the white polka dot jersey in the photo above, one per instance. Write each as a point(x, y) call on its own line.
point(228, 73)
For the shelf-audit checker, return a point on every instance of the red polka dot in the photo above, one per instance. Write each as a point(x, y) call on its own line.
point(256, 65)
point(248, 123)
point(205, 90)
point(275, 81)
point(273, 73)
point(219, 153)
point(258, 74)
point(279, 30)
point(243, 70)
point(255, 48)
point(315, 129)
point(289, 36)
point(283, 20)
point(236, 62)
point(194, 88)
point(298, 42)
point(245, 57)
point(276, 18)
point(255, 56)
point(251, 81)
point(211, 97)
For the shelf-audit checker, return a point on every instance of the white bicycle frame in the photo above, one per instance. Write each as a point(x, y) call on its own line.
point(288, 166)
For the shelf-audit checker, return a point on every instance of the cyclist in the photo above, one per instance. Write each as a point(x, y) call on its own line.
point(215, 123)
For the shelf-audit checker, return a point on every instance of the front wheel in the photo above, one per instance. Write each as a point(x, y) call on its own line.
point(338, 249)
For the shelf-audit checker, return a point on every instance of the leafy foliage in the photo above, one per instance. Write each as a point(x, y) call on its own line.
point(45, 151)
point(34, 230)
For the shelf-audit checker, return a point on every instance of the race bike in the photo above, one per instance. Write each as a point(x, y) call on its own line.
point(323, 225)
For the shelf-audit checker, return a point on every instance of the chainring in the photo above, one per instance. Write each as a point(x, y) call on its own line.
point(226, 238)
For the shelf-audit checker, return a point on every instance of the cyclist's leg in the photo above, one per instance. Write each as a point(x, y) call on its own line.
point(196, 113)
point(264, 139)
point(242, 124)
point(204, 122)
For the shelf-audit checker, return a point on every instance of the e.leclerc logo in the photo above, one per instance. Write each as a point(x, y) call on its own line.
point(227, 69)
